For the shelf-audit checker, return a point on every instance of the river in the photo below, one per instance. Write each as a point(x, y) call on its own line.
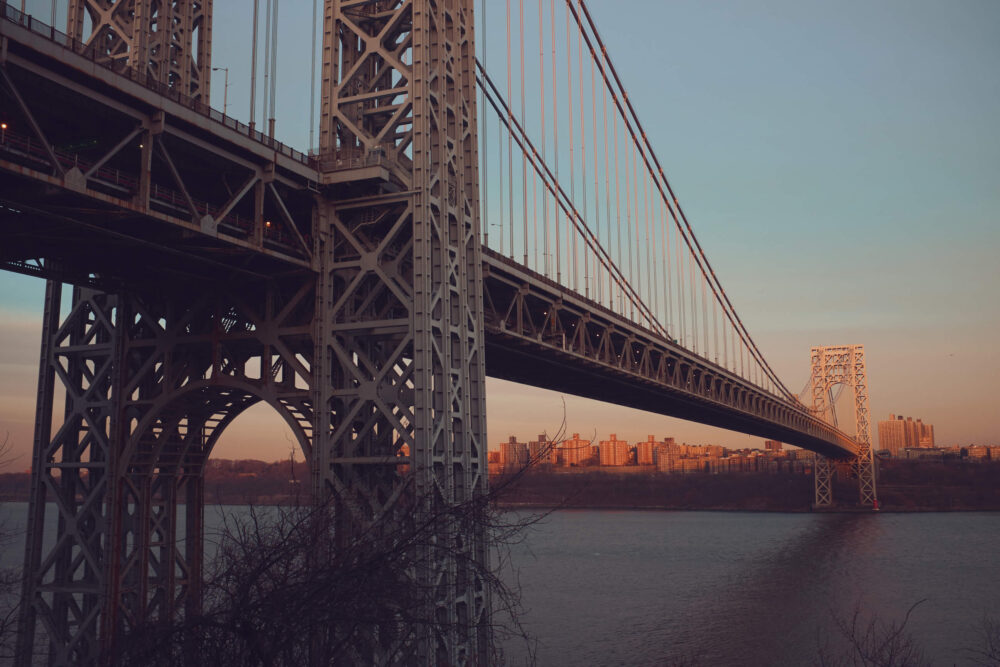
point(734, 588)
point(731, 588)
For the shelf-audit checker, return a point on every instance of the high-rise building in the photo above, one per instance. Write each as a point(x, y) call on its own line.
point(892, 435)
point(772, 445)
point(644, 451)
point(574, 451)
point(614, 452)
point(665, 453)
point(926, 435)
point(897, 434)
point(542, 450)
point(513, 454)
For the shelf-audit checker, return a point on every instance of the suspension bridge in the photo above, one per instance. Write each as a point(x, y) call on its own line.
point(470, 212)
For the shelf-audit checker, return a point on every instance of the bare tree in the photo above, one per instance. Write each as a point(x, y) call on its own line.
point(294, 586)
point(9, 579)
point(987, 653)
point(873, 642)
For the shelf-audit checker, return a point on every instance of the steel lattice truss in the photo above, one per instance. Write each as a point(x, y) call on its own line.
point(167, 40)
point(844, 365)
point(151, 382)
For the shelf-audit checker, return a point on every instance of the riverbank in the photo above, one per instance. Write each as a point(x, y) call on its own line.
point(903, 486)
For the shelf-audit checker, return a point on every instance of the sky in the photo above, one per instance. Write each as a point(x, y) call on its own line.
point(839, 162)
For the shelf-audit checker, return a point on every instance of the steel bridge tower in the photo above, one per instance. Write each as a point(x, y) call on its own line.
point(374, 359)
point(834, 365)
point(401, 289)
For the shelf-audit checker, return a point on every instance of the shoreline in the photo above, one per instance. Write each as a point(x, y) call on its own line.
point(762, 510)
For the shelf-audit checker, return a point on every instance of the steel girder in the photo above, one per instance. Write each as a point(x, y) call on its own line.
point(151, 382)
point(540, 333)
point(401, 305)
point(168, 40)
point(845, 365)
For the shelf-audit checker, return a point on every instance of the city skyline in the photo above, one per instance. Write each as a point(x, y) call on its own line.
point(839, 167)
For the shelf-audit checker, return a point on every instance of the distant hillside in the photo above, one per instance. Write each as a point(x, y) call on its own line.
point(902, 486)
point(227, 482)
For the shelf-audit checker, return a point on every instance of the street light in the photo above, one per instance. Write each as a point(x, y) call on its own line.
point(3, 133)
point(225, 90)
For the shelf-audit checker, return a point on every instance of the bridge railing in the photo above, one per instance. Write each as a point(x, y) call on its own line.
point(121, 66)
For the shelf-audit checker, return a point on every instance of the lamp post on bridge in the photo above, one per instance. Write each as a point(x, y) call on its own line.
point(225, 90)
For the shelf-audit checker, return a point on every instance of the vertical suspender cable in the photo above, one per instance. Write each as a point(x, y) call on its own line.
point(484, 139)
point(534, 205)
point(681, 294)
point(524, 156)
point(650, 241)
point(534, 220)
point(715, 328)
point(312, 86)
point(618, 218)
point(267, 62)
point(638, 224)
point(274, 65)
point(500, 191)
point(628, 226)
point(555, 129)
point(704, 314)
point(572, 144)
point(510, 141)
point(253, 64)
point(693, 303)
point(583, 161)
point(541, 87)
point(598, 279)
point(607, 191)
point(485, 134)
point(665, 259)
point(628, 219)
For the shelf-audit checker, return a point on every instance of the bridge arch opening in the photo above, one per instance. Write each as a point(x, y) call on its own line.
point(158, 509)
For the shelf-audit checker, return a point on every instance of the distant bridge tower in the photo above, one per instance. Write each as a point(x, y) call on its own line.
point(843, 365)
point(169, 41)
